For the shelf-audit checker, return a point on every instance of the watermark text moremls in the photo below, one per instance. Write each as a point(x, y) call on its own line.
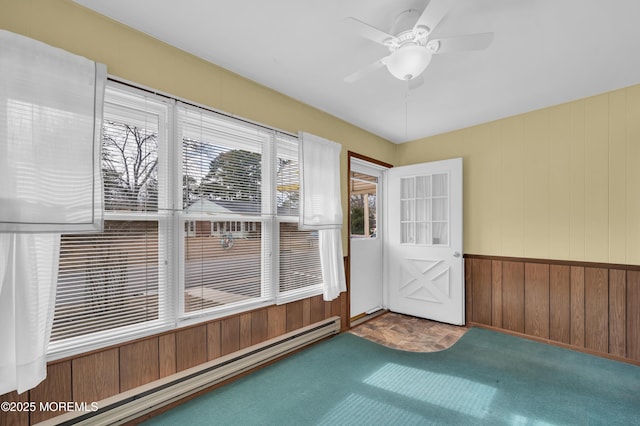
point(55, 406)
point(63, 406)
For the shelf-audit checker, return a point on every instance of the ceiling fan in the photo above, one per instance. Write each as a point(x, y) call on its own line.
point(409, 44)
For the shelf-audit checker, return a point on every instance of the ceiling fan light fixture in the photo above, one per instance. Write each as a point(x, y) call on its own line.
point(408, 61)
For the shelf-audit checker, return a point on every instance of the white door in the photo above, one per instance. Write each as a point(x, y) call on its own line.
point(366, 256)
point(424, 238)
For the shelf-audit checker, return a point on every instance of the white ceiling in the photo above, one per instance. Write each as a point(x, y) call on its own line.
point(544, 52)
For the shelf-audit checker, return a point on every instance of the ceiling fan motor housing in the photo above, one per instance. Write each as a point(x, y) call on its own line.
point(405, 32)
point(405, 21)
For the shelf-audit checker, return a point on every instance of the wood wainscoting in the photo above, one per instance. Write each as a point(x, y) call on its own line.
point(592, 307)
point(91, 377)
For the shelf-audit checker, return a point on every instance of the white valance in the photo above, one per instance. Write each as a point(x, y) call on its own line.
point(50, 138)
point(319, 163)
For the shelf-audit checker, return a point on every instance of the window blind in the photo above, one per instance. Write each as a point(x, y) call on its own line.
point(221, 163)
point(107, 280)
point(223, 264)
point(299, 271)
point(133, 165)
point(299, 260)
point(227, 227)
point(112, 285)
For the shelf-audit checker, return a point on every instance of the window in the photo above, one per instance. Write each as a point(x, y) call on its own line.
point(115, 283)
point(299, 273)
point(233, 201)
point(424, 209)
point(222, 161)
point(363, 205)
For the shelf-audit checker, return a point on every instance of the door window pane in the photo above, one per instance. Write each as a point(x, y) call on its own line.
point(440, 209)
point(424, 209)
point(440, 233)
point(441, 184)
point(407, 188)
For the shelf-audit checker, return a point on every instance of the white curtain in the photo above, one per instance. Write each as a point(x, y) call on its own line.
point(321, 208)
point(28, 276)
point(50, 155)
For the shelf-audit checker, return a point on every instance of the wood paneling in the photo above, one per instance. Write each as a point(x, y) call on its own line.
point(536, 300)
point(57, 387)
point(306, 312)
point(167, 354)
point(214, 345)
point(327, 309)
point(592, 306)
point(14, 418)
point(496, 293)
point(259, 326)
point(633, 315)
point(336, 307)
point(596, 309)
point(139, 363)
point(513, 296)
point(481, 289)
point(468, 288)
point(577, 306)
point(617, 312)
point(317, 309)
point(276, 320)
point(191, 347)
point(95, 376)
point(560, 303)
point(230, 334)
point(344, 311)
point(245, 330)
point(294, 315)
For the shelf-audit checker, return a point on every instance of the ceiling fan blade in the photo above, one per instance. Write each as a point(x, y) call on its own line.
point(461, 44)
point(364, 71)
point(433, 14)
point(367, 31)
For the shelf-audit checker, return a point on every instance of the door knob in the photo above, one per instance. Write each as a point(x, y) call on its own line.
point(456, 254)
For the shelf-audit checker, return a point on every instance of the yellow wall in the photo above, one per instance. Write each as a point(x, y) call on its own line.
point(146, 61)
point(558, 183)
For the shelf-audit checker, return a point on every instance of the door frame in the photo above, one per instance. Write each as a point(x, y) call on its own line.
point(350, 155)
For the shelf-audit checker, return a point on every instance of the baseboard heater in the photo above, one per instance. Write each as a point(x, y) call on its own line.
point(135, 403)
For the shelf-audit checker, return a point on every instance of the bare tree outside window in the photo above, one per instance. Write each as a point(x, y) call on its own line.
point(129, 167)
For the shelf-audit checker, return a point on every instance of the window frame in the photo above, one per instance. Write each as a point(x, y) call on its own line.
point(171, 216)
point(119, 98)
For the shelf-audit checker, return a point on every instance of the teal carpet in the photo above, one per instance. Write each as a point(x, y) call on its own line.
point(486, 378)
